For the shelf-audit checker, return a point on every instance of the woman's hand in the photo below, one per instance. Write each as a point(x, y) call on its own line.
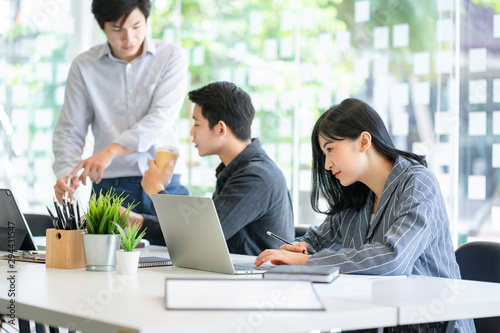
point(282, 257)
point(297, 247)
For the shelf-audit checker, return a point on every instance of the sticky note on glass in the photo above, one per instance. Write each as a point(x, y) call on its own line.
point(256, 123)
point(443, 62)
point(496, 155)
point(256, 100)
point(269, 101)
point(325, 43)
point(240, 76)
point(225, 74)
point(381, 93)
point(401, 94)
point(285, 153)
point(400, 123)
point(496, 26)
point(285, 127)
point(381, 38)
point(308, 20)
point(421, 63)
point(362, 11)
point(306, 124)
point(287, 20)
point(307, 98)
point(343, 39)
point(198, 57)
point(342, 93)
point(477, 188)
point(477, 123)
point(306, 72)
point(443, 30)
point(496, 90)
point(270, 48)
point(255, 24)
point(444, 5)
point(362, 68)
point(305, 179)
point(422, 93)
point(240, 51)
point(324, 72)
point(444, 183)
point(442, 122)
point(477, 60)
point(380, 65)
point(324, 98)
point(496, 123)
point(286, 100)
point(401, 35)
point(286, 47)
point(477, 91)
point(495, 217)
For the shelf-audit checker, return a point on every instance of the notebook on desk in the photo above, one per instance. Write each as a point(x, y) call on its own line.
point(193, 234)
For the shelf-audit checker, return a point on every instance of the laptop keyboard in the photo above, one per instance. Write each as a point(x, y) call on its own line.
point(248, 268)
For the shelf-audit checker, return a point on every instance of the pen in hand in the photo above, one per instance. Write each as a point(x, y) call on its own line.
point(283, 240)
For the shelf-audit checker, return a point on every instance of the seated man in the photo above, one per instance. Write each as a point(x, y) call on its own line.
point(251, 195)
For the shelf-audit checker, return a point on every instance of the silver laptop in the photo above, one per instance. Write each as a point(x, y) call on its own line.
point(194, 236)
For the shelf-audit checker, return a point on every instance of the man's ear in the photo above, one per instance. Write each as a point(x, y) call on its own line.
point(221, 128)
point(365, 141)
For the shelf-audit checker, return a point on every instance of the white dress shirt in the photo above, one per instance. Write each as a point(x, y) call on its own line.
point(134, 104)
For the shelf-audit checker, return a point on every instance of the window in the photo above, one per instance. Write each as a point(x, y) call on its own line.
point(436, 86)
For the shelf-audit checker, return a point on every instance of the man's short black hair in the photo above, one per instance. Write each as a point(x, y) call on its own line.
point(227, 102)
point(113, 10)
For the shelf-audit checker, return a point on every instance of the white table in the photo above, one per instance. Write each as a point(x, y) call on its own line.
point(108, 302)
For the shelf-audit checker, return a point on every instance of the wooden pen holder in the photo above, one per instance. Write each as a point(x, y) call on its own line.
point(64, 249)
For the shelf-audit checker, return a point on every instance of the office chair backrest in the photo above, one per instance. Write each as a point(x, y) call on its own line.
point(300, 230)
point(480, 261)
point(38, 223)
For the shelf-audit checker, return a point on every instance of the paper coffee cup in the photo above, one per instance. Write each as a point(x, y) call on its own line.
point(166, 154)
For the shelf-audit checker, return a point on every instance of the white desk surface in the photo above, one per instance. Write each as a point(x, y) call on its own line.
point(108, 302)
point(421, 299)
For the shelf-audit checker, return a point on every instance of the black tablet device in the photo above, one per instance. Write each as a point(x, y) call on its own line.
point(15, 233)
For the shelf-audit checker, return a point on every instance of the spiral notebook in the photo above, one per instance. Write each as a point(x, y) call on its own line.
point(154, 262)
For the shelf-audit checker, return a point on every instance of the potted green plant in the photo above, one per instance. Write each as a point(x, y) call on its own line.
point(127, 260)
point(100, 242)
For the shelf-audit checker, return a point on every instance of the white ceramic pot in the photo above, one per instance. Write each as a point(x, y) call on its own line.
point(127, 262)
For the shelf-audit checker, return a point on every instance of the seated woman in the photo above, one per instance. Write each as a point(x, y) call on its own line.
point(386, 214)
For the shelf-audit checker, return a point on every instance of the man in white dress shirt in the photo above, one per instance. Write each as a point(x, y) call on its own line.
point(130, 91)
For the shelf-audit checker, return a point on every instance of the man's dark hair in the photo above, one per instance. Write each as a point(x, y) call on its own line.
point(227, 102)
point(113, 10)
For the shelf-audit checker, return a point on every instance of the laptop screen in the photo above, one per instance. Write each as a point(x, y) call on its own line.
point(14, 231)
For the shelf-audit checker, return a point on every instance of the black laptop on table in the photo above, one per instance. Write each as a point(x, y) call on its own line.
point(15, 233)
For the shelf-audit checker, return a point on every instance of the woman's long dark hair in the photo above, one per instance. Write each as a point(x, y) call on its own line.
point(348, 120)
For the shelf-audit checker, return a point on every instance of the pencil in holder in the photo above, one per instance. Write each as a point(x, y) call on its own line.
point(64, 249)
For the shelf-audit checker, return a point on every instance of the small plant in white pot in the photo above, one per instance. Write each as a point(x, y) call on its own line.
point(127, 260)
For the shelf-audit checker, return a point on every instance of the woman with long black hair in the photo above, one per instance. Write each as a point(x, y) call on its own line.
point(385, 211)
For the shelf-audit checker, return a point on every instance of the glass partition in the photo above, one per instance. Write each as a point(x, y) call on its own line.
point(430, 68)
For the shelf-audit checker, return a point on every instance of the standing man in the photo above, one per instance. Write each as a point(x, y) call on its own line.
point(130, 91)
point(251, 195)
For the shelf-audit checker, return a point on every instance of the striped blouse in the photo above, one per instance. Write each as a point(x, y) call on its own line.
point(409, 233)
